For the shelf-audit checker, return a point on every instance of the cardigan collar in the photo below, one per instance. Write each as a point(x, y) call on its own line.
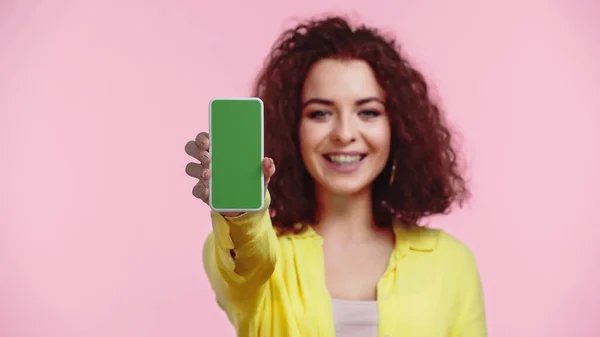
point(414, 237)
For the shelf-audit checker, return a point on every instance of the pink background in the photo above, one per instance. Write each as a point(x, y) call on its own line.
point(100, 235)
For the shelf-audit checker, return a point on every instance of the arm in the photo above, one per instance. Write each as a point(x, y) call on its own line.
point(238, 278)
point(471, 304)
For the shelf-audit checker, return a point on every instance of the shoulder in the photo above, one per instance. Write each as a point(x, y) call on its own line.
point(457, 261)
point(443, 246)
point(451, 259)
point(453, 247)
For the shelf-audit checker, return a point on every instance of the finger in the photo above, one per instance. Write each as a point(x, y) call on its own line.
point(192, 149)
point(268, 169)
point(204, 158)
point(201, 192)
point(198, 171)
point(203, 141)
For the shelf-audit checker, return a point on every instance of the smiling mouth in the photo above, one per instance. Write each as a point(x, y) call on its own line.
point(344, 159)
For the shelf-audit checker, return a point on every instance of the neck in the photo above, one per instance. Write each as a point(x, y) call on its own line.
point(346, 217)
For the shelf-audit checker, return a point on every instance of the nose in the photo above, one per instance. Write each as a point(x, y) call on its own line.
point(344, 131)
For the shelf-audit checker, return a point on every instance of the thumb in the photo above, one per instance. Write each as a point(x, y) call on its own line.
point(268, 169)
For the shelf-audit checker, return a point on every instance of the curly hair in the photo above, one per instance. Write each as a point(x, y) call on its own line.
point(427, 179)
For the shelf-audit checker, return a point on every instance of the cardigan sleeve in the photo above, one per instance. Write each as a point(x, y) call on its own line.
point(471, 308)
point(239, 257)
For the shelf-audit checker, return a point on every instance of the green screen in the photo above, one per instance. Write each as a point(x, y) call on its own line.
point(236, 136)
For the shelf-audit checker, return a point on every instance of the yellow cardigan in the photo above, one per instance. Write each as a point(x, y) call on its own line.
point(275, 285)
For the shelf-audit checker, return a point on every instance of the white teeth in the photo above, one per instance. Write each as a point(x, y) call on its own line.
point(344, 159)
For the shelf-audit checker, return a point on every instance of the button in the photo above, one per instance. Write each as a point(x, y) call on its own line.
point(386, 297)
point(386, 335)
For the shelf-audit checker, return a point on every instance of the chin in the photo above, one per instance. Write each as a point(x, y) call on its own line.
point(346, 188)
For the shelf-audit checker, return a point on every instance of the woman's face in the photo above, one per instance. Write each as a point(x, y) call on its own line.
point(344, 130)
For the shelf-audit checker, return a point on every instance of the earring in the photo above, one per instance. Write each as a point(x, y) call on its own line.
point(393, 173)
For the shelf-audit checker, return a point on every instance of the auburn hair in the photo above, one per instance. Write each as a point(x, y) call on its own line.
point(427, 177)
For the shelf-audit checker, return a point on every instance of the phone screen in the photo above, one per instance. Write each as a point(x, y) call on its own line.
point(236, 148)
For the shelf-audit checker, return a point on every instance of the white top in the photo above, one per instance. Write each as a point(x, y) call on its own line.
point(355, 318)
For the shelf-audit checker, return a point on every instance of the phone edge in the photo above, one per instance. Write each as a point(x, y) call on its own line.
point(262, 155)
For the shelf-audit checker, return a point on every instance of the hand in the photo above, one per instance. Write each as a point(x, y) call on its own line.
point(198, 149)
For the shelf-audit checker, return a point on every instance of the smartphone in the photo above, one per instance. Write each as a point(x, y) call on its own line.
point(236, 129)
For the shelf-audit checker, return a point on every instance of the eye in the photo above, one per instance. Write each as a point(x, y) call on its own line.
point(370, 113)
point(318, 114)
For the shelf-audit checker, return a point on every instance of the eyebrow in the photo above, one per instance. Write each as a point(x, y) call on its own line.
point(330, 103)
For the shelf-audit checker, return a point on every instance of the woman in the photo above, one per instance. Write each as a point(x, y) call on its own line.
point(362, 155)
